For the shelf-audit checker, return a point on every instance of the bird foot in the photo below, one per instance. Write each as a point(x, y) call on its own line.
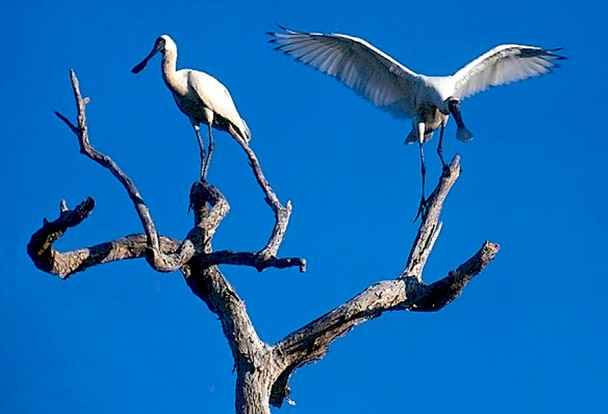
point(421, 209)
point(446, 170)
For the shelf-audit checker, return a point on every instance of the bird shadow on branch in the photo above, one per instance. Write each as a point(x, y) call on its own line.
point(263, 370)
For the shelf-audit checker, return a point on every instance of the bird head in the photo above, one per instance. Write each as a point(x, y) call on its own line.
point(453, 104)
point(165, 44)
point(162, 44)
point(462, 133)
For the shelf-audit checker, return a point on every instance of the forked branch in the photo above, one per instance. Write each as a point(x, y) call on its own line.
point(281, 213)
point(197, 242)
point(157, 258)
point(407, 292)
point(429, 229)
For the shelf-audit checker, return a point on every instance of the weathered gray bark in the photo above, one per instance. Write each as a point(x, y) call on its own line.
point(263, 370)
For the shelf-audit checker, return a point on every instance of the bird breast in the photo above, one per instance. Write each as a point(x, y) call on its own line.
point(432, 117)
point(437, 89)
point(196, 95)
point(192, 107)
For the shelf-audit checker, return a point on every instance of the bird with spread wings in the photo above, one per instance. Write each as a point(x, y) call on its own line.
point(426, 100)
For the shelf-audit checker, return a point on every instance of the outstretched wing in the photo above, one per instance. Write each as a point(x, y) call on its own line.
point(504, 64)
point(359, 65)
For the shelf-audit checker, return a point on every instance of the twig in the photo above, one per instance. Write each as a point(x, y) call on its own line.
point(255, 260)
point(281, 213)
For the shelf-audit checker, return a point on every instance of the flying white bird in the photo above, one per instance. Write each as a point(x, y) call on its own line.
point(201, 97)
point(391, 86)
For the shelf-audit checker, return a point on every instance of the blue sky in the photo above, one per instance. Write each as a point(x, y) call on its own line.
point(528, 335)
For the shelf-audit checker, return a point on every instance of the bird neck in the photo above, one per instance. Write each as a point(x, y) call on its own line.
point(169, 69)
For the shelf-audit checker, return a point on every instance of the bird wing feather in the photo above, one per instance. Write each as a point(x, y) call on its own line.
point(215, 96)
point(367, 70)
point(504, 64)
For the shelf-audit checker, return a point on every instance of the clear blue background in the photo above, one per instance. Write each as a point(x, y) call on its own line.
point(528, 335)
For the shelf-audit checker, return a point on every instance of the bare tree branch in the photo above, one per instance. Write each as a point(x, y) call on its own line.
point(81, 131)
point(134, 246)
point(195, 242)
point(444, 291)
point(257, 260)
point(408, 292)
point(46, 258)
point(281, 213)
point(431, 227)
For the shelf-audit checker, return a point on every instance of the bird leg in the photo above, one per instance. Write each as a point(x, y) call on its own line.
point(201, 147)
point(440, 148)
point(422, 206)
point(207, 162)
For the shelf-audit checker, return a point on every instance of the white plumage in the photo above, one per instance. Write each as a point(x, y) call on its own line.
point(391, 86)
point(397, 89)
point(201, 97)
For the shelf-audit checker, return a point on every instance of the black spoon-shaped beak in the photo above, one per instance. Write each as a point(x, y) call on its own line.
point(141, 65)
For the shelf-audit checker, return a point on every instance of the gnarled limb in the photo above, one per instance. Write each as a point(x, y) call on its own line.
point(408, 292)
point(431, 227)
point(134, 246)
point(46, 258)
point(195, 242)
point(442, 292)
point(157, 259)
point(281, 213)
point(257, 260)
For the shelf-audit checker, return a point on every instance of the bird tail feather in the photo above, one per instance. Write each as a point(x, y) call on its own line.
point(240, 131)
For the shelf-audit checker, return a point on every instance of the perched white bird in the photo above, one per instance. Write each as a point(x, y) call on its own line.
point(427, 100)
point(201, 97)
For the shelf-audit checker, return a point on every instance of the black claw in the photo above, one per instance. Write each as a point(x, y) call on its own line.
point(421, 209)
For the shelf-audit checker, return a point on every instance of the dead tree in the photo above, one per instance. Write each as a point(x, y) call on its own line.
point(263, 370)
